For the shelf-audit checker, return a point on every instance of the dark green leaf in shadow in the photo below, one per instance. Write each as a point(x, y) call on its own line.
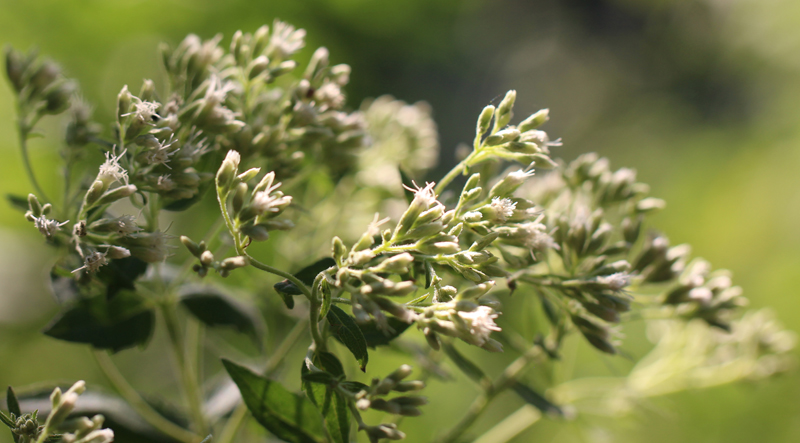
point(466, 366)
point(214, 308)
point(536, 399)
point(120, 274)
point(345, 329)
point(379, 337)
point(319, 387)
point(124, 321)
point(289, 416)
point(13, 408)
point(287, 289)
point(18, 202)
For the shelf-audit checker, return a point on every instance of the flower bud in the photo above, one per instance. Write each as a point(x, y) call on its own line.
point(118, 252)
point(339, 250)
point(34, 205)
point(206, 258)
point(249, 174)
point(535, 120)
point(228, 169)
point(148, 91)
point(233, 263)
point(193, 247)
point(94, 193)
point(124, 100)
point(399, 264)
point(117, 194)
point(284, 67)
point(318, 62)
point(504, 136)
point(504, 110)
point(484, 120)
point(15, 67)
point(258, 66)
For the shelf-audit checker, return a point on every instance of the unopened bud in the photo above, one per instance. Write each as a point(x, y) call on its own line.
point(234, 262)
point(206, 258)
point(117, 194)
point(238, 197)
point(228, 169)
point(535, 120)
point(505, 110)
point(123, 103)
point(484, 120)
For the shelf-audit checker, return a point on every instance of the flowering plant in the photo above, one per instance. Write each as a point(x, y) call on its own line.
point(508, 228)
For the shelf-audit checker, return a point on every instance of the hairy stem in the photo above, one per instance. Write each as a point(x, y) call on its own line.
point(138, 404)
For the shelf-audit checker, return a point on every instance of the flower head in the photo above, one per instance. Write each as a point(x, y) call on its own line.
point(425, 195)
point(111, 171)
point(481, 323)
point(48, 227)
point(502, 208)
point(145, 112)
point(93, 261)
point(615, 281)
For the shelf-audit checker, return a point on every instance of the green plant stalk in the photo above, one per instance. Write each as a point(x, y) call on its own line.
point(237, 418)
point(503, 382)
point(187, 375)
point(138, 404)
point(24, 131)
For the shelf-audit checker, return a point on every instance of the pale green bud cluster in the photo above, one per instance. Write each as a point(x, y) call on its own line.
point(39, 85)
point(374, 396)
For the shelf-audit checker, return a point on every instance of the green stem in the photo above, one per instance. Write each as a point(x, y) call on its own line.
point(506, 379)
point(26, 162)
point(187, 375)
point(138, 404)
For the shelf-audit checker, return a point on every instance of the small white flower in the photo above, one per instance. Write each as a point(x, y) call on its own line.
point(285, 39)
point(111, 171)
point(536, 238)
point(145, 111)
point(265, 202)
point(93, 261)
point(425, 195)
point(615, 281)
point(374, 226)
point(160, 155)
point(165, 183)
point(503, 208)
point(481, 323)
point(127, 225)
point(48, 227)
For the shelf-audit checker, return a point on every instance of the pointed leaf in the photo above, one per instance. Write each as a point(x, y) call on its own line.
point(214, 308)
point(331, 403)
point(287, 289)
point(467, 367)
point(18, 202)
point(124, 321)
point(289, 416)
point(12, 402)
point(536, 399)
point(378, 337)
point(346, 330)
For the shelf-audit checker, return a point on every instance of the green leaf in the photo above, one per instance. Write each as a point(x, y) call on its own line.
point(215, 308)
point(18, 202)
point(124, 321)
point(467, 367)
point(287, 289)
point(331, 403)
point(378, 337)
point(120, 274)
point(289, 416)
point(12, 402)
point(536, 399)
point(346, 330)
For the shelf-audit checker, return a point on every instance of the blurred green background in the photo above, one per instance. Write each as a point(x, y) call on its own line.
point(702, 97)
